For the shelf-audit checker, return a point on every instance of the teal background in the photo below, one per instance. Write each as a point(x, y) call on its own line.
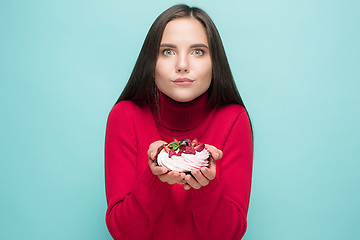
point(64, 63)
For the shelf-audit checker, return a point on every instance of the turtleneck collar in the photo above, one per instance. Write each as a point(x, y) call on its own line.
point(181, 116)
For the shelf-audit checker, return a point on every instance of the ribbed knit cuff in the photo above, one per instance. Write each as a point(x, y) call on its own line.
point(153, 183)
point(208, 191)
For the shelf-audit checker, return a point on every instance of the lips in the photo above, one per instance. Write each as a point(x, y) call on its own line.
point(183, 82)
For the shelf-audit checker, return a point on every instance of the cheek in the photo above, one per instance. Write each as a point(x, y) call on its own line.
point(160, 75)
point(209, 72)
point(206, 71)
point(157, 69)
point(208, 75)
point(161, 69)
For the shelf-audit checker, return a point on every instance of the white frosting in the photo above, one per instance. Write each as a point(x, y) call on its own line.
point(185, 162)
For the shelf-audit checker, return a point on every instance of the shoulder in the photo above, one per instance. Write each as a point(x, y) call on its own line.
point(229, 120)
point(133, 120)
point(231, 111)
point(127, 111)
point(127, 107)
point(232, 116)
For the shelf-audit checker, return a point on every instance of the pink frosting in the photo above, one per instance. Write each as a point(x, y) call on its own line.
point(185, 162)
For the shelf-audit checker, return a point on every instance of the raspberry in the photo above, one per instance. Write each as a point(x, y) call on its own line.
point(199, 147)
point(172, 153)
point(194, 142)
point(184, 146)
point(189, 150)
point(180, 152)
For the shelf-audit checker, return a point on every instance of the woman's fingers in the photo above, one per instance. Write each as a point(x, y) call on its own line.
point(164, 174)
point(152, 151)
point(153, 148)
point(200, 177)
point(156, 169)
point(209, 172)
point(215, 153)
point(173, 177)
point(192, 182)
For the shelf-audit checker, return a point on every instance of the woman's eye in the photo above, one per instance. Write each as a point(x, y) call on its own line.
point(198, 52)
point(168, 52)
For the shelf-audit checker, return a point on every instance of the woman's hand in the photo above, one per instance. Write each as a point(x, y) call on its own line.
point(203, 176)
point(164, 174)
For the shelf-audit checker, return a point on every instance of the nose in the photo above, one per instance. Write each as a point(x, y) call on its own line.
point(182, 65)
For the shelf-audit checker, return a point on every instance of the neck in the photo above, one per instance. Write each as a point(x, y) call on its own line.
point(181, 116)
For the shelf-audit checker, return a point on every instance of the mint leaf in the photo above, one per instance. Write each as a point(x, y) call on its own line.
point(173, 145)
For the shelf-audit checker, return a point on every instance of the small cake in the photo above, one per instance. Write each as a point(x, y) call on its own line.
point(183, 156)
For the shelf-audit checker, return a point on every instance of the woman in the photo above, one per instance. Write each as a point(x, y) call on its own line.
point(181, 87)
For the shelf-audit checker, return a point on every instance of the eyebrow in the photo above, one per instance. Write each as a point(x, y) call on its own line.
point(197, 45)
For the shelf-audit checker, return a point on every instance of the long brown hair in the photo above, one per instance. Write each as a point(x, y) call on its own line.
point(141, 83)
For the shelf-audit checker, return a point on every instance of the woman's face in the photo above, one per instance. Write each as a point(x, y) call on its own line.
point(183, 70)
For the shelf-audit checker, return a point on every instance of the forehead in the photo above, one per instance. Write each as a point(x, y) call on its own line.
point(184, 31)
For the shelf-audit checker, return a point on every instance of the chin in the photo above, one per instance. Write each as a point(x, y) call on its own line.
point(183, 99)
point(183, 96)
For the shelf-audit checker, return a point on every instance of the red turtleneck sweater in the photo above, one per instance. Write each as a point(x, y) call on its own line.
point(140, 206)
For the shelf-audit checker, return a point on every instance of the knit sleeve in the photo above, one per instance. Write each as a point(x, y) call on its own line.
point(134, 202)
point(220, 208)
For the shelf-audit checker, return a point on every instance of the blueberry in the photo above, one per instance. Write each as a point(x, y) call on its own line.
point(184, 142)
